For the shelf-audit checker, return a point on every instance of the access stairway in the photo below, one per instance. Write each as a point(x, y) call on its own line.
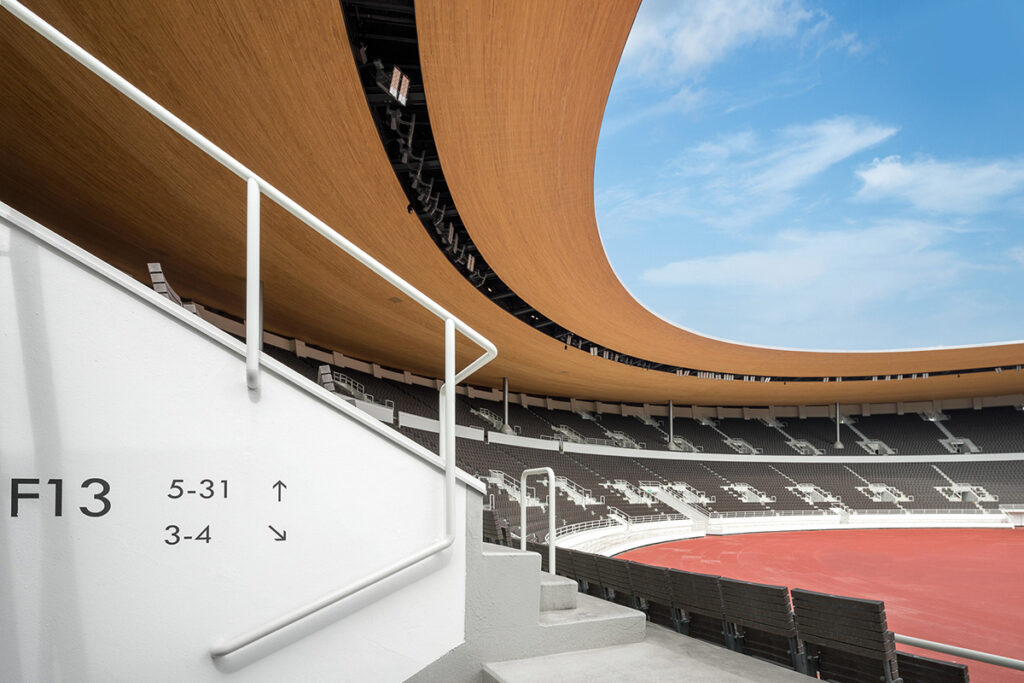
point(523, 624)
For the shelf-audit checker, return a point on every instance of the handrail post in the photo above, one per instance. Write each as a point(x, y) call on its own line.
point(448, 447)
point(253, 294)
point(551, 511)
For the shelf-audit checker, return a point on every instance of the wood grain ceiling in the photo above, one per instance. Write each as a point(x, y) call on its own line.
point(516, 92)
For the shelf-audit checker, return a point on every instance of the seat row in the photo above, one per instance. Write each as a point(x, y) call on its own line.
point(825, 636)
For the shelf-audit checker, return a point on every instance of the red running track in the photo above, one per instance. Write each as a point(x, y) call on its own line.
point(963, 587)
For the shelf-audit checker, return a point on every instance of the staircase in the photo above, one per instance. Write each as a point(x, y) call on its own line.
point(674, 500)
point(514, 610)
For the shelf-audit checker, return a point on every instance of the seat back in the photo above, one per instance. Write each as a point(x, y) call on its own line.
point(761, 621)
point(650, 583)
point(564, 564)
point(696, 593)
point(697, 599)
point(585, 565)
point(491, 533)
point(614, 574)
point(543, 550)
point(757, 605)
point(918, 669)
point(847, 639)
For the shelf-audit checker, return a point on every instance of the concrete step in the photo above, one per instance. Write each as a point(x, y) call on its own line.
point(663, 656)
point(592, 623)
point(505, 591)
point(557, 592)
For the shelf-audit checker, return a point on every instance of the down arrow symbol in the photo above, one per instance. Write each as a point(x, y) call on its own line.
point(280, 535)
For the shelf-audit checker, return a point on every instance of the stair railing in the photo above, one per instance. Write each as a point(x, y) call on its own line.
point(257, 187)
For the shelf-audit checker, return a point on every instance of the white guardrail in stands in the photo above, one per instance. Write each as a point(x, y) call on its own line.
point(913, 511)
point(767, 513)
point(255, 187)
point(570, 529)
point(552, 484)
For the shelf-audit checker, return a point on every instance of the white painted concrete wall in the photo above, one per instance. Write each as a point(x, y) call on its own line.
point(102, 380)
point(618, 539)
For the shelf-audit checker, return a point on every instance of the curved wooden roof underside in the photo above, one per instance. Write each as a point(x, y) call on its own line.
point(516, 92)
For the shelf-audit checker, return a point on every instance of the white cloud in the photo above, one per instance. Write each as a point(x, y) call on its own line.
point(682, 39)
point(684, 100)
point(942, 186)
point(735, 180)
point(805, 151)
point(812, 288)
point(1016, 254)
point(847, 42)
point(864, 263)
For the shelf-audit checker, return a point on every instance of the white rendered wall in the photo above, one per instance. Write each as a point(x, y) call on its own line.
point(99, 380)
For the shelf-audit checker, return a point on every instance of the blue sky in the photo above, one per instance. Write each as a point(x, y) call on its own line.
point(847, 175)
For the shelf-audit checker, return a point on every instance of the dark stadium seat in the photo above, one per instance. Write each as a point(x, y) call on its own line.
point(918, 669)
point(651, 589)
point(615, 580)
point(761, 622)
point(585, 565)
point(697, 602)
point(543, 550)
point(845, 639)
point(493, 532)
point(563, 563)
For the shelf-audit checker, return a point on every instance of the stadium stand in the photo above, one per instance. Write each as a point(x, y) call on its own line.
point(821, 434)
point(906, 434)
point(919, 480)
point(643, 435)
point(762, 437)
point(994, 430)
point(1004, 479)
point(836, 478)
point(704, 437)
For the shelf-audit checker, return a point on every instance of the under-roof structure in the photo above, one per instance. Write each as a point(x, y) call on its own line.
point(516, 94)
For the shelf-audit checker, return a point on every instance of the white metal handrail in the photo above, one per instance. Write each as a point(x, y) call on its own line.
point(570, 485)
point(664, 517)
point(582, 526)
point(736, 514)
point(552, 484)
point(255, 187)
point(929, 511)
point(512, 487)
point(998, 660)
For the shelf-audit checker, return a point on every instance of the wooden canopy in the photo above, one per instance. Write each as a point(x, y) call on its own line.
point(516, 92)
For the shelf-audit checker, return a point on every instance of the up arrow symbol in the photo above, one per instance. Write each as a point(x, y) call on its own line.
point(280, 486)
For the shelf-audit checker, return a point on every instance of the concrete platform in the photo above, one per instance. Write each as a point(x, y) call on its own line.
point(593, 623)
point(663, 656)
point(557, 592)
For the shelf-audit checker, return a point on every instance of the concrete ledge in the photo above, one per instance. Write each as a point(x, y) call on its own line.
point(593, 623)
point(557, 593)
